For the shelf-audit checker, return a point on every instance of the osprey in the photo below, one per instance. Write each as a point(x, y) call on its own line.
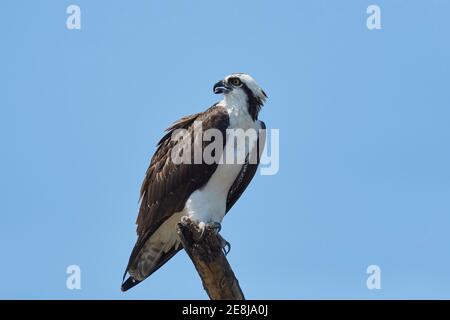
point(201, 191)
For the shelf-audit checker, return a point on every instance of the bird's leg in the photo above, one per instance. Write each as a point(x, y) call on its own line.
point(216, 226)
point(185, 220)
point(202, 226)
point(198, 225)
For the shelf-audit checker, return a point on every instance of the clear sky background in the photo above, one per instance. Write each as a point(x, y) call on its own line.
point(364, 155)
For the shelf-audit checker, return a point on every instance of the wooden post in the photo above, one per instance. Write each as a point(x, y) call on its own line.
point(206, 253)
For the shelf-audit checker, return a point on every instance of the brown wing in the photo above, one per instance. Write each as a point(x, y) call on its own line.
point(247, 172)
point(167, 185)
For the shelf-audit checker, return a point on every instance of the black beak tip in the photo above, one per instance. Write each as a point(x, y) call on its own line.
point(220, 87)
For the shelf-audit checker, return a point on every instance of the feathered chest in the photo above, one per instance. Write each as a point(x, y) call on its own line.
point(240, 118)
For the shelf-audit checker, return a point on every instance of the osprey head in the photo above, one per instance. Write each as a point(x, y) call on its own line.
point(241, 88)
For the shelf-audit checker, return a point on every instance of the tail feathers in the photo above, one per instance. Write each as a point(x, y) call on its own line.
point(141, 265)
point(129, 283)
point(144, 266)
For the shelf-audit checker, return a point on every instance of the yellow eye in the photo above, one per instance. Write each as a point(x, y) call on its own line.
point(235, 82)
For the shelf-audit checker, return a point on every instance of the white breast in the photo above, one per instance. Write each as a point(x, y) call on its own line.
point(209, 203)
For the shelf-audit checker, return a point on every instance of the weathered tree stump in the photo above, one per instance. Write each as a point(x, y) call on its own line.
point(210, 261)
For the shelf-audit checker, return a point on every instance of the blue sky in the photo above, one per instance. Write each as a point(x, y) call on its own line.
point(364, 143)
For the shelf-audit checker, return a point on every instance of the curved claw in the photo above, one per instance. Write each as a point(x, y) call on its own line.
point(226, 248)
point(202, 228)
point(216, 225)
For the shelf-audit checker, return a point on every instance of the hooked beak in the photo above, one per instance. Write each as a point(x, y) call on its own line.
point(221, 87)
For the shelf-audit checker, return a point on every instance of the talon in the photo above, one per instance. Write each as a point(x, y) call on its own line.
point(226, 248)
point(185, 220)
point(202, 227)
point(215, 225)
